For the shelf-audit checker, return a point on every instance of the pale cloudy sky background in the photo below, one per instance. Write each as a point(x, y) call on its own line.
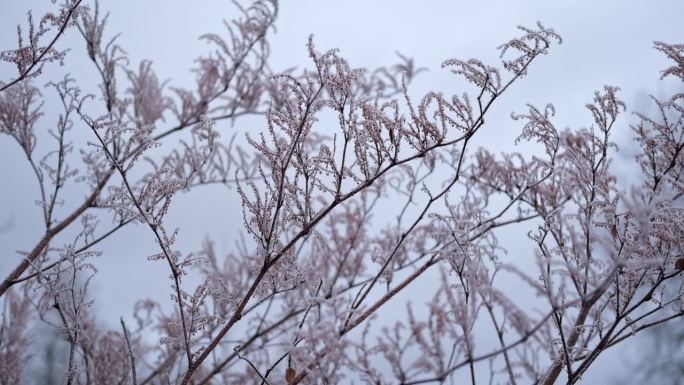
point(605, 42)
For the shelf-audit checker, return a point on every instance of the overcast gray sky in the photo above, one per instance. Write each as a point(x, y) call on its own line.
point(605, 42)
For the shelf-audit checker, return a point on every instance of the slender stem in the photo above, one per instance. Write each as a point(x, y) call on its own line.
point(130, 353)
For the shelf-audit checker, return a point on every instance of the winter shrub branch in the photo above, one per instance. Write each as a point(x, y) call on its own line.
point(352, 191)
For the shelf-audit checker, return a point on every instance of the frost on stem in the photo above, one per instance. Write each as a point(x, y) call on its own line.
point(20, 109)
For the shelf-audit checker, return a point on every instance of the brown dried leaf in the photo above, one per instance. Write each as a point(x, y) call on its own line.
point(679, 265)
point(290, 375)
